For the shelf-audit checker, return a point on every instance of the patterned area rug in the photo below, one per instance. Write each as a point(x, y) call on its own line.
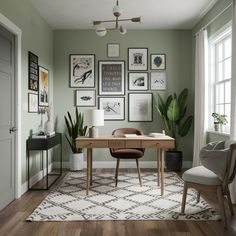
point(128, 201)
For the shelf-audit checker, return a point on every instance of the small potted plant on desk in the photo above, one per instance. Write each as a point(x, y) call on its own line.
point(219, 120)
point(173, 112)
point(75, 128)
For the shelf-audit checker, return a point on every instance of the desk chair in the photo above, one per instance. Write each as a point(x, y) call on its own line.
point(203, 179)
point(127, 153)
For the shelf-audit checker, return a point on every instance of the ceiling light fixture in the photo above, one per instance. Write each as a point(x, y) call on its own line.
point(117, 11)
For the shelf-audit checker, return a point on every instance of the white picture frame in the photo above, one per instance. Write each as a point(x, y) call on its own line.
point(140, 107)
point(138, 59)
point(32, 103)
point(138, 81)
point(82, 70)
point(85, 98)
point(111, 77)
point(158, 80)
point(114, 107)
point(113, 50)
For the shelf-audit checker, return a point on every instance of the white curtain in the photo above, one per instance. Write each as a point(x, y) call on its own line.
point(201, 66)
point(233, 94)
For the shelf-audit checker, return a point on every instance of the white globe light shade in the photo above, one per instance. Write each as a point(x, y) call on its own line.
point(123, 30)
point(101, 31)
point(117, 11)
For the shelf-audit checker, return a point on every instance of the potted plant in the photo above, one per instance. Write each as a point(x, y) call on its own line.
point(75, 128)
point(173, 112)
point(219, 120)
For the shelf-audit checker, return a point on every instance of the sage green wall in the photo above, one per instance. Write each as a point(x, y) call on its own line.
point(38, 38)
point(177, 44)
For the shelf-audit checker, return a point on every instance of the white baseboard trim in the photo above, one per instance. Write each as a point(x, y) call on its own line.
point(123, 164)
point(34, 179)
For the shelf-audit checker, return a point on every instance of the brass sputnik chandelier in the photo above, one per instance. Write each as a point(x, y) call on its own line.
point(117, 11)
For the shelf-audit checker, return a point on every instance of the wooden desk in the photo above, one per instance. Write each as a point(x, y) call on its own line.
point(141, 141)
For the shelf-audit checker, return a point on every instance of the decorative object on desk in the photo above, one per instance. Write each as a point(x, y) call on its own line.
point(32, 103)
point(114, 107)
point(129, 201)
point(96, 120)
point(137, 58)
point(85, 98)
point(158, 80)
point(140, 106)
point(33, 72)
point(111, 77)
point(173, 112)
point(49, 125)
point(82, 70)
point(138, 81)
point(117, 11)
point(113, 50)
point(43, 86)
point(219, 120)
point(75, 128)
point(158, 61)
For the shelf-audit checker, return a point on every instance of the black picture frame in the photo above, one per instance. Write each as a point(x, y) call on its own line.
point(82, 70)
point(138, 81)
point(140, 108)
point(138, 59)
point(158, 61)
point(43, 87)
point(85, 98)
point(33, 72)
point(114, 107)
point(111, 77)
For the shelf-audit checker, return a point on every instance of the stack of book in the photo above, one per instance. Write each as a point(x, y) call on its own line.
point(43, 135)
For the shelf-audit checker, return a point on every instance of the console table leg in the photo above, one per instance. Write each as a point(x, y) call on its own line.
point(47, 168)
point(28, 169)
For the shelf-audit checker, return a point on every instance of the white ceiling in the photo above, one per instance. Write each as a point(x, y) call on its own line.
point(156, 14)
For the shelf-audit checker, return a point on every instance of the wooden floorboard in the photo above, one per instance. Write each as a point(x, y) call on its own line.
point(13, 223)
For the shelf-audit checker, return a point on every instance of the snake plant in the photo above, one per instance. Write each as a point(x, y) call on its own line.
point(172, 112)
point(75, 128)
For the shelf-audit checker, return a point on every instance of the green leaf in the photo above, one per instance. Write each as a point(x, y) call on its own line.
point(184, 128)
point(182, 103)
point(173, 111)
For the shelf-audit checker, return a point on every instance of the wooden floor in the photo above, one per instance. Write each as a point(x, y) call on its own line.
point(12, 222)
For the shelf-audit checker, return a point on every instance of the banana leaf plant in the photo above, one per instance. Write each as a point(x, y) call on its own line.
point(75, 128)
point(172, 112)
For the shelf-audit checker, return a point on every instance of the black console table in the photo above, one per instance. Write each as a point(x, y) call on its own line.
point(44, 144)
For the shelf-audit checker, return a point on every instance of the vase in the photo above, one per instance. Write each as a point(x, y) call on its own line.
point(218, 127)
point(76, 161)
point(49, 126)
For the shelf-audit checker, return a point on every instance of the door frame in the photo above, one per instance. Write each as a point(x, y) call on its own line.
point(17, 32)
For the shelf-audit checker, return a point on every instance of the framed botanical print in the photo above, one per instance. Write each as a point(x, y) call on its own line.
point(32, 103)
point(33, 72)
point(140, 106)
point(138, 81)
point(114, 107)
point(85, 98)
point(137, 59)
point(158, 80)
point(43, 86)
point(111, 77)
point(82, 70)
point(113, 49)
point(158, 61)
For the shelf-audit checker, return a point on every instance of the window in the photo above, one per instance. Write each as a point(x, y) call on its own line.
point(220, 74)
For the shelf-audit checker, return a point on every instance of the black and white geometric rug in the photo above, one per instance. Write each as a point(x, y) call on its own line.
point(127, 201)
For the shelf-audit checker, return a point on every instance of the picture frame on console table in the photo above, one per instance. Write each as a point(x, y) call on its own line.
point(138, 59)
point(82, 70)
point(114, 107)
point(140, 107)
point(111, 77)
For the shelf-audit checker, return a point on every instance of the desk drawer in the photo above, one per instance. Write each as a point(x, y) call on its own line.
point(116, 144)
point(149, 143)
point(133, 144)
point(92, 144)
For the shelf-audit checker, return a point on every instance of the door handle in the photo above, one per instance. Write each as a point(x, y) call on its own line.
point(13, 129)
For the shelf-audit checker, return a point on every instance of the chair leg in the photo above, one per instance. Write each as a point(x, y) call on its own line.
point(184, 198)
point(117, 170)
point(221, 204)
point(139, 175)
point(198, 196)
point(229, 201)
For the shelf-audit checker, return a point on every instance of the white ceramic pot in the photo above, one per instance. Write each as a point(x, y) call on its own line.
point(76, 161)
point(49, 126)
point(218, 127)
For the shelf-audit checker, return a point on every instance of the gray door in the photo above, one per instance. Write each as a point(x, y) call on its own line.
point(7, 121)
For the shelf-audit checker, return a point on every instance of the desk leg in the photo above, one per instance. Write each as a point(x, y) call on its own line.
point(91, 166)
point(88, 169)
point(61, 155)
point(158, 167)
point(162, 171)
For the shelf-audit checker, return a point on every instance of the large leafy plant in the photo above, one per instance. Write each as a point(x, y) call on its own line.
point(172, 112)
point(75, 128)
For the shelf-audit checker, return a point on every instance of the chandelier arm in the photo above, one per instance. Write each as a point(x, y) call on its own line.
point(107, 21)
